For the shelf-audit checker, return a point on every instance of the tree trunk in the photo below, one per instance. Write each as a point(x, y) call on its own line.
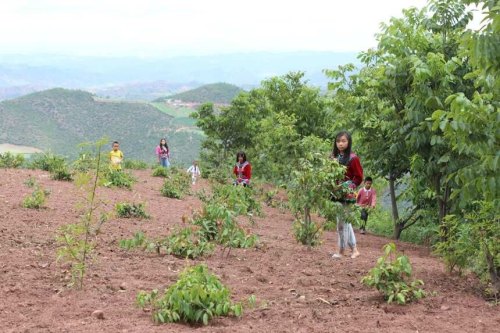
point(492, 269)
point(398, 228)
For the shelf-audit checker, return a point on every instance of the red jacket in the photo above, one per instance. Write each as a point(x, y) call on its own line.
point(243, 171)
point(354, 170)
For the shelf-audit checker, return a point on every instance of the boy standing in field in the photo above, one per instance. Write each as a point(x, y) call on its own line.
point(366, 199)
point(116, 157)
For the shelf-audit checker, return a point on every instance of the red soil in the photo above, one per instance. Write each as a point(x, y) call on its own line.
point(290, 282)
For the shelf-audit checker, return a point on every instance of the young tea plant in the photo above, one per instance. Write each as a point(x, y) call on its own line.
point(176, 185)
point(197, 297)
point(36, 199)
point(310, 188)
point(131, 210)
point(118, 178)
point(77, 241)
point(135, 165)
point(183, 243)
point(391, 277)
point(161, 171)
point(9, 160)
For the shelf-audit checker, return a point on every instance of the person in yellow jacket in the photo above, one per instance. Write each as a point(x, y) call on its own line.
point(116, 157)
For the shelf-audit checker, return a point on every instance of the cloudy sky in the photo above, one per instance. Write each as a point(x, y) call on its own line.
point(151, 28)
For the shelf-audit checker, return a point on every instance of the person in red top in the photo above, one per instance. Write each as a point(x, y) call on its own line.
point(242, 170)
point(367, 198)
point(352, 179)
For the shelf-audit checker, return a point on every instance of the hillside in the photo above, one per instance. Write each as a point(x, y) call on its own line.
point(296, 289)
point(145, 91)
point(60, 119)
point(219, 93)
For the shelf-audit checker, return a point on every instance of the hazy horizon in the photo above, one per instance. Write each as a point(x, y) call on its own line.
point(155, 28)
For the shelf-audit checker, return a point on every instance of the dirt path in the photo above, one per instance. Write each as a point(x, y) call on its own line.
point(33, 297)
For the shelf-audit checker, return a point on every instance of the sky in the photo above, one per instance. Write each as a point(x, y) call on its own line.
point(151, 28)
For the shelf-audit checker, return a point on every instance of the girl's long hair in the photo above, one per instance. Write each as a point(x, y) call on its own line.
point(347, 151)
point(165, 145)
point(241, 153)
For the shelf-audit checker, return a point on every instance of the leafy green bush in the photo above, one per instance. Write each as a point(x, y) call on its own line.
point(391, 277)
point(127, 210)
point(160, 171)
point(307, 233)
point(118, 178)
point(135, 165)
point(9, 160)
point(37, 198)
point(30, 182)
point(472, 244)
point(217, 223)
point(176, 185)
point(196, 297)
point(310, 189)
point(184, 243)
point(61, 173)
point(54, 164)
point(138, 241)
point(47, 161)
point(239, 199)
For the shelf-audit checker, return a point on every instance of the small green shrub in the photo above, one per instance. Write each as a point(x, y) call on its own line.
point(47, 161)
point(9, 160)
point(138, 241)
point(36, 199)
point(217, 223)
point(128, 210)
point(184, 243)
point(135, 165)
point(30, 182)
point(239, 199)
point(160, 171)
point(61, 173)
point(176, 185)
point(390, 277)
point(117, 178)
point(196, 297)
point(307, 233)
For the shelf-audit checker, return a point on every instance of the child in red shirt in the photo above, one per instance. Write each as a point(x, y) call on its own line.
point(367, 198)
point(242, 170)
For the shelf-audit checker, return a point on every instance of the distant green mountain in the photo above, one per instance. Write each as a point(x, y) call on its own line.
point(220, 93)
point(60, 119)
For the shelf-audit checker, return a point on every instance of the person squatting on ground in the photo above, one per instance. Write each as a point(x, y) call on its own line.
point(195, 172)
point(366, 199)
point(242, 170)
point(352, 179)
point(115, 157)
point(163, 153)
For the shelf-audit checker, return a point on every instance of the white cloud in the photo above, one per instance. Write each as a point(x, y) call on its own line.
point(163, 27)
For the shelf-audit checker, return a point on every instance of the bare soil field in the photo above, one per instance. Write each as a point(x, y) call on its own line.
point(297, 290)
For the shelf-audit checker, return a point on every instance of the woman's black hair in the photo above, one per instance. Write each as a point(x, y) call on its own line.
point(166, 144)
point(241, 153)
point(347, 152)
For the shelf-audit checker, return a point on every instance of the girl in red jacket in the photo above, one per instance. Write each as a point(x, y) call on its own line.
point(352, 179)
point(242, 170)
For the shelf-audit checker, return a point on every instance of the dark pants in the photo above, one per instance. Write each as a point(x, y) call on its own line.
point(364, 218)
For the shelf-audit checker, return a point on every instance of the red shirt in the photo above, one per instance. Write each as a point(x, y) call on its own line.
point(243, 171)
point(367, 198)
point(354, 171)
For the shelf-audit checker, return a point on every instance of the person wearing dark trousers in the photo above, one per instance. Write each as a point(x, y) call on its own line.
point(366, 199)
